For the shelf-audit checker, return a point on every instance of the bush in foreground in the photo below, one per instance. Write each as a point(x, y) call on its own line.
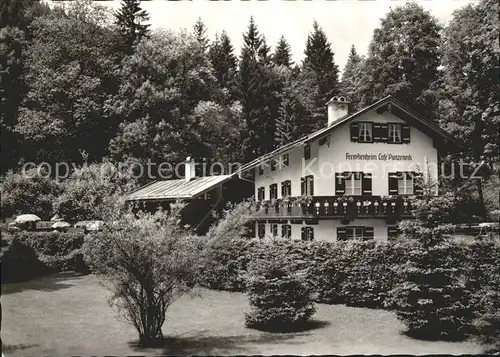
point(148, 261)
point(432, 299)
point(280, 297)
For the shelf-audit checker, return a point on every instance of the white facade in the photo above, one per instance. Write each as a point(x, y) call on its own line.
point(338, 153)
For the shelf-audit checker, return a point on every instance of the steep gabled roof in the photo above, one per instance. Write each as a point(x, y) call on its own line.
point(388, 103)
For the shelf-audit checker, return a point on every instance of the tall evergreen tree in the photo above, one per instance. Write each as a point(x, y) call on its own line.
point(352, 77)
point(132, 20)
point(320, 67)
point(221, 54)
point(403, 58)
point(469, 106)
point(199, 31)
point(282, 55)
point(257, 92)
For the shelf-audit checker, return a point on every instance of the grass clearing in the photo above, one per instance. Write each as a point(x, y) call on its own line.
point(67, 314)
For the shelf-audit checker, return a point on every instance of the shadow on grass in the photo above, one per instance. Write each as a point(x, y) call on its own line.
point(202, 344)
point(300, 327)
point(45, 283)
point(433, 337)
point(10, 348)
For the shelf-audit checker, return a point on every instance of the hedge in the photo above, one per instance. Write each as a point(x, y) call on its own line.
point(355, 273)
point(27, 254)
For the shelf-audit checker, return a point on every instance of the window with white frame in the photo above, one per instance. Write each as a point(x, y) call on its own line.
point(274, 229)
point(405, 183)
point(286, 231)
point(365, 132)
point(307, 233)
point(354, 233)
point(353, 184)
point(394, 131)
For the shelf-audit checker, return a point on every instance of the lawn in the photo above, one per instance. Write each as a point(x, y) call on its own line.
point(68, 315)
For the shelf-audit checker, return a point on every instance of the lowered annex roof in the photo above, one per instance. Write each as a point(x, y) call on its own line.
point(389, 100)
point(177, 189)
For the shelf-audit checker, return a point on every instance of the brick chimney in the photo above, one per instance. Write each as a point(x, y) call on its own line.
point(338, 107)
point(189, 169)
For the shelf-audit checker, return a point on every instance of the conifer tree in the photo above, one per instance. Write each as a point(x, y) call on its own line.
point(282, 56)
point(320, 67)
point(284, 123)
point(352, 77)
point(131, 21)
point(258, 88)
point(221, 54)
point(199, 31)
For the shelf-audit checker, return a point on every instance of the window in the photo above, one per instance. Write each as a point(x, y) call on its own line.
point(365, 132)
point(274, 229)
point(273, 164)
point(307, 233)
point(355, 233)
point(307, 152)
point(286, 230)
point(307, 185)
point(273, 191)
point(353, 184)
point(394, 135)
point(405, 183)
point(392, 232)
point(261, 194)
point(286, 159)
point(286, 188)
point(261, 170)
point(261, 230)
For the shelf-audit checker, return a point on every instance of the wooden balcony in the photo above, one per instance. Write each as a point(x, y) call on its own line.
point(340, 207)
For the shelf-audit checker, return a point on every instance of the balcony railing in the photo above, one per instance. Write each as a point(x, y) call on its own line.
point(336, 207)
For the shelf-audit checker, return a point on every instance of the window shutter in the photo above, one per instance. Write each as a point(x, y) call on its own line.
point(250, 226)
point(311, 233)
point(307, 152)
point(303, 233)
point(377, 132)
point(354, 132)
point(393, 183)
point(341, 233)
point(392, 232)
point(405, 133)
point(302, 186)
point(367, 184)
point(418, 188)
point(339, 183)
point(384, 132)
point(262, 230)
point(311, 185)
point(368, 233)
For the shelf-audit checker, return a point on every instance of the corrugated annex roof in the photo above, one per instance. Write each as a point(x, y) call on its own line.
point(324, 131)
point(177, 189)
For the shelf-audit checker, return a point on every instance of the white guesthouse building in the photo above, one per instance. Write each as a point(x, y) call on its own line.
point(350, 180)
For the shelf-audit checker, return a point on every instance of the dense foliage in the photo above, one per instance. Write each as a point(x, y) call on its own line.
point(279, 293)
point(32, 193)
point(26, 255)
